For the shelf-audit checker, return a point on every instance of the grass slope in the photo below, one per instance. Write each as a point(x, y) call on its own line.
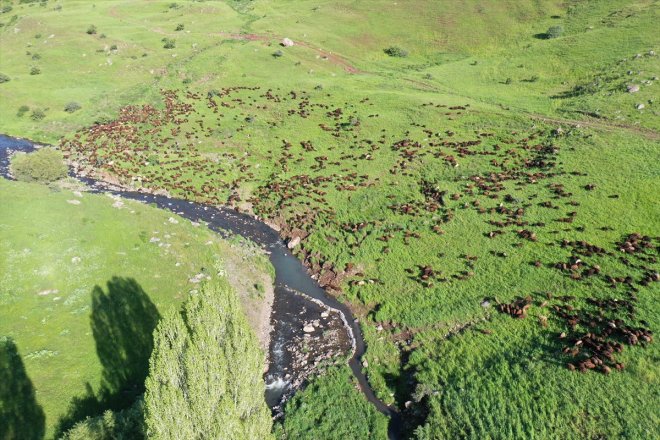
point(62, 259)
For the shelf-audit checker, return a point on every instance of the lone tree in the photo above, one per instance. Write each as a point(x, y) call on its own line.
point(205, 377)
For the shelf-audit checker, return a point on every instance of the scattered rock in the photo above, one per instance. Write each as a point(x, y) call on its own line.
point(73, 202)
point(199, 278)
point(48, 292)
point(286, 42)
point(293, 243)
point(632, 88)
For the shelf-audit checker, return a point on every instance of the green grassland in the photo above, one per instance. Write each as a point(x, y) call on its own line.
point(478, 102)
point(329, 408)
point(61, 254)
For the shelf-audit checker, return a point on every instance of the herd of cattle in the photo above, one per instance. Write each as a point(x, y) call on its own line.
point(310, 166)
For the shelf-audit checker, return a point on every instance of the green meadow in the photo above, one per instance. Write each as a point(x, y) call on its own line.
point(85, 279)
point(453, 176)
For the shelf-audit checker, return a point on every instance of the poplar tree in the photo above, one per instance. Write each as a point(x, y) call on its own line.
point(205, 379)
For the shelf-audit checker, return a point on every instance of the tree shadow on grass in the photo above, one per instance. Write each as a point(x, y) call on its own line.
point(123, 321)
point(20, 414)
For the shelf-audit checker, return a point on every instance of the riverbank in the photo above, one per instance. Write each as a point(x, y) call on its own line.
point(291, 360)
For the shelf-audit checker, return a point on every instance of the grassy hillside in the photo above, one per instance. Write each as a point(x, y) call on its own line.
point(84, 280)
point(441, 190)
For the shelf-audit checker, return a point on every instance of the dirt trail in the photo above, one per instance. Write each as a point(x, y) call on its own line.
point(601, 125)
point(335, 59)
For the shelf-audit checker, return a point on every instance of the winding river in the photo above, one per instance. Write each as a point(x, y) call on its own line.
point(298, 296)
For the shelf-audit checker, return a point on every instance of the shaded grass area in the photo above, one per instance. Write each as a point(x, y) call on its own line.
point(123, 321)
point(84, 280)
point(21, 415)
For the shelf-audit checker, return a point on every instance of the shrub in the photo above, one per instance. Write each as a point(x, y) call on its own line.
point(103, 36)
point(278, 53)
point(395, 51)
point(91, 30)
point(180, 27)
point(113, 47)
point(169, 43)
point(72, 107)
point(4, 78)
point(35, 71)
point(37, 115)
point(36, 57)
point(6, 9)
point(22, 110)
point(125, 424)
point(44, 166)
point(554, 32)
point(37, 36)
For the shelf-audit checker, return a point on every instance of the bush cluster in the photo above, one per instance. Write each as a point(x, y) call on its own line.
point(72, 107)
point(37, 114)
point(396, 51)
point(44, 166)
point(554, 32)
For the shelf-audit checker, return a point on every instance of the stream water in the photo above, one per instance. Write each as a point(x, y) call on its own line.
point(298, 297)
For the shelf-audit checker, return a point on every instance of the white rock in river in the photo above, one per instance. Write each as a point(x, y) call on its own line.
point(293, 243)
point(308, 328)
